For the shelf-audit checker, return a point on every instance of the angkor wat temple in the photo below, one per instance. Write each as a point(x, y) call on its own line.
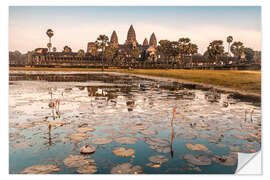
point(146, 52)
point(129, 54)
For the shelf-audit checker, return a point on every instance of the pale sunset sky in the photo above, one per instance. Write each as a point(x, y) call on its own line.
point(75, 26)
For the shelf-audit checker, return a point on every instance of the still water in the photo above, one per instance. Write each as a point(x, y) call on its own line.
point(162, 126)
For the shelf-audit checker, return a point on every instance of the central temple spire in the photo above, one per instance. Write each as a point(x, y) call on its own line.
point(131, 36)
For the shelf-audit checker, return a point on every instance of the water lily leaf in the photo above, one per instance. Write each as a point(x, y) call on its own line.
point(197, 160)
point(197, 147)
point(101, 141)
point(75, 161)
point(121, 151)
point(85, 129)
point(40, 169)
point(159, 159)
point(88, 169)
point(126, 140)
point(159, 145)
point(235, 148)
point(126, 168)
point(79, 136)
point(229, 160)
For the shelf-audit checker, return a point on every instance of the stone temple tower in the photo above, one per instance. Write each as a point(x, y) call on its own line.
point(131, 37)
point(145, 42)
point(153, 41)
point(114, 40)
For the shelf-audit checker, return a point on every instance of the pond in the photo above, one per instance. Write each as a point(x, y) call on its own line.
point(132, 125)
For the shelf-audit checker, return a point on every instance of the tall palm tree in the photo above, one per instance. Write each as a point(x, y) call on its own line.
point(50, 34)
point(165, 47)
point(192, 49)
point(215, 49)
point(229, 41)
point(102, 42)
point(237, 48)
point(183, 47)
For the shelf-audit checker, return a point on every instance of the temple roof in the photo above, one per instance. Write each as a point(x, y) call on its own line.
point(145, 42)
point(114, 38)
point(153, 40)
point(131, 36)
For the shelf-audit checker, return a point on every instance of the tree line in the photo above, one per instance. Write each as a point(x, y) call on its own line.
point(170, 52)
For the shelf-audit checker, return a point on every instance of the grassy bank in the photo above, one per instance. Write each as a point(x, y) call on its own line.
point(247, 81)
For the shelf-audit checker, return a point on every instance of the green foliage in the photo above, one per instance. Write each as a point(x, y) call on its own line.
point(110, 53)
point(102, 42)
point(229, 39)
point(237, 48)
point(249, 54)
point(215, 49)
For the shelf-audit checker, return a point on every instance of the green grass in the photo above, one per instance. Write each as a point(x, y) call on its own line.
point(246, 81)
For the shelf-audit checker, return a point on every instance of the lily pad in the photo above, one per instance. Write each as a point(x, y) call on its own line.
point(126, 140)
point(126, 168)
point(235, 148)
point(159, 145)
point(153, 165)
point(88, 169)
point(85, 129)
point(197, 160)
point(23, 145)
point(197, 147)
point(229, 160)
point(75, 161)
point(79, 136)
point(148, 132)
point(40, 169)
point(158, 159)
point(101, 141)
point(221, 145)
point(121, 151)
point(139, 126)
point(239, 136)
point(25, 125)
point(57, 123)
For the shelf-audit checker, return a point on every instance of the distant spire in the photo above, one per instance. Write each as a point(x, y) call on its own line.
point(153, 40)
point(114, 39)
point(145, 42)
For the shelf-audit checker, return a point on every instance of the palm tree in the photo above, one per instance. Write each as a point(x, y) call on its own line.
point(215, 49)
point(192, 49)
point(49, 33)
point(102, 42)
point(237, 48)
point(183, 47)
point(164, 48)
point(174, 50)
point(229, 41)
point(110, 52)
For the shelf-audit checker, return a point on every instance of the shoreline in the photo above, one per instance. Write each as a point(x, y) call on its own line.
point(155, 74)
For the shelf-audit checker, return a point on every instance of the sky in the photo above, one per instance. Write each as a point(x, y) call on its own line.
point(75, 26)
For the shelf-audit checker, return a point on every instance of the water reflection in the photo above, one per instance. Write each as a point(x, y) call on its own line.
point(164, 119)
